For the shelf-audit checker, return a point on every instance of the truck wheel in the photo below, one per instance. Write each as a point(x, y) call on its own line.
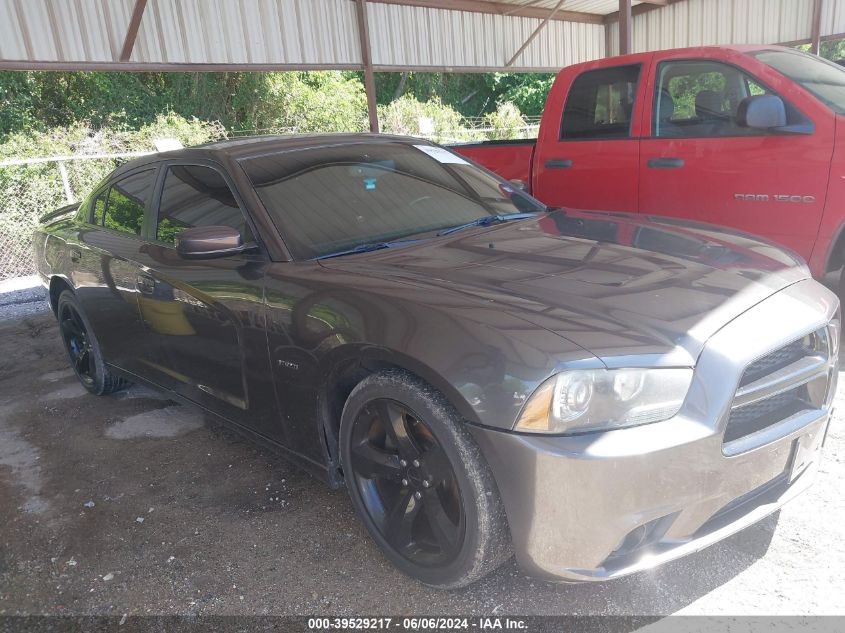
point(419, 482)
point(82, 348)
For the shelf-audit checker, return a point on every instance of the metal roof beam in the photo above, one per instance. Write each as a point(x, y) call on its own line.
point(367, 62)
point(816, 28)
point(132, 30)
point(498, 8)
point(536, 32)
point(644, 7)
point(626, 31)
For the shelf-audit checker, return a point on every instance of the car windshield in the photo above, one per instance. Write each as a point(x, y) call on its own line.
point(824, 79)
point(329, 200)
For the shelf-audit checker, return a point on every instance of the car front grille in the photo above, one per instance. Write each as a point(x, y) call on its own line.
point(785, 387)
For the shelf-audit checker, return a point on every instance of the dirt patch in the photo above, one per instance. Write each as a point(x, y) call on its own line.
point(168, 422)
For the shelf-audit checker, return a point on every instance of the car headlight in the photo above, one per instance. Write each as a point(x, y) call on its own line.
point(604, 399)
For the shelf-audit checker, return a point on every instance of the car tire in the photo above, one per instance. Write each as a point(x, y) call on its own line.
point(428, 499)
point(82, 348)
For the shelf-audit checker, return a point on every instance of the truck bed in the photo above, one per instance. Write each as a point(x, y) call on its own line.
point(510, 159)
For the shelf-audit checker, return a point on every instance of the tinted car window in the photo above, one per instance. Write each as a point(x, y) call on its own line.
point(325, 200)
point(600, 104)
point(99, 205)
point(695, 99)
point(127, 200)
point(194, 195)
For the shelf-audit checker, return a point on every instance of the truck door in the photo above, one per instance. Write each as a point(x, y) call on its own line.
point(587, 159)
point(699, 163)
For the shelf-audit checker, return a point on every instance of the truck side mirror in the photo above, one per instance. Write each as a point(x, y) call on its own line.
point(762, 112)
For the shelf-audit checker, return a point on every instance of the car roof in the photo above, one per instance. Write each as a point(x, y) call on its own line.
point(246, 147)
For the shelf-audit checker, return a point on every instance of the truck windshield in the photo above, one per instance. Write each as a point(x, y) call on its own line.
point(348, 197)
point(824, 79)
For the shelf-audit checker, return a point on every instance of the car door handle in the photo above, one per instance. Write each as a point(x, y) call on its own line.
point(75, 255)
point(665, 163)
point(558, 163)
point(145, 284)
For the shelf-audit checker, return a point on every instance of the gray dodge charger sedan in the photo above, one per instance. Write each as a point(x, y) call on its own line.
point(596, 393)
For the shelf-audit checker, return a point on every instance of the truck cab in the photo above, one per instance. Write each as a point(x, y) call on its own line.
point(747, 137)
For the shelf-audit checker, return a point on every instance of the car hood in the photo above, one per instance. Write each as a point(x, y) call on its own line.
point(629, 289)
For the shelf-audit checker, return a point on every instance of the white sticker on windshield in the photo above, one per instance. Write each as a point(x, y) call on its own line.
point(441, 155)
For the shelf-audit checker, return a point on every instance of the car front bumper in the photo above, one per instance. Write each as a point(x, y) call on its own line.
point(602, 505)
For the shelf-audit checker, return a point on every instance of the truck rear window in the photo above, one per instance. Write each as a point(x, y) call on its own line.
point(600, 104)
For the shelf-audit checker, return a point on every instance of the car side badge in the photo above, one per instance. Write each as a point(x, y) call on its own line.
point(369, 184)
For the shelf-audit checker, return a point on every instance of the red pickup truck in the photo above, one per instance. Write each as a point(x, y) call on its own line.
point(751, 137)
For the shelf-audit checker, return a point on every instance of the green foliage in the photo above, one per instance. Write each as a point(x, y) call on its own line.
point(303, 102)
point(834, 50)
point(468, 94)
point(506, 122)
point(528, 91)
point(403, 117)
point(327, 101)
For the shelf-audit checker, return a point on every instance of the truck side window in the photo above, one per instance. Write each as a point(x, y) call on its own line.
point(600, 104)
point(194, 195)
point(700, 98)
point(127, 201)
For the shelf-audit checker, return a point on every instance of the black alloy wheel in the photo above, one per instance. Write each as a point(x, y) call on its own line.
point(82, 348)
point(420, 483)
point(406, 483)
point(78, 345)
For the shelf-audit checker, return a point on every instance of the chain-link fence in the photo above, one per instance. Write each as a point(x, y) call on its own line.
point(29, 188)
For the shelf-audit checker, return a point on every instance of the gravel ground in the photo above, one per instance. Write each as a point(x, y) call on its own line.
point(131, 504)
point(21, 297)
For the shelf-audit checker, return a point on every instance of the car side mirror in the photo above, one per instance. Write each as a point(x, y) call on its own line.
point(208, 242)
point(762, 112)
point(518, 184)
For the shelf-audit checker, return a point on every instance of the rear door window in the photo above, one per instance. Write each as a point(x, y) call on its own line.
point(99, 207)
point(600, 104)
point(127, 202)
point(195, 195)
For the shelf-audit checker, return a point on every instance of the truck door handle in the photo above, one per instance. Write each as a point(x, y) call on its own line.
point(145, 284)
point(665, 163)
point(75, 255)
point(558, 163)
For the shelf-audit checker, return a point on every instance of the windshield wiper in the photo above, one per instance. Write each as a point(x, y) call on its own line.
point(487, 220)
point(366, 248)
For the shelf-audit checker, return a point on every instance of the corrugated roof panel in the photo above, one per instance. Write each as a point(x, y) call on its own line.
point(12, 43)
point(441, 38)
point(710, 22)
point(601, 7)
point(248, 31)
point(62, 30)
point(833, 18)
point(324, 32)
